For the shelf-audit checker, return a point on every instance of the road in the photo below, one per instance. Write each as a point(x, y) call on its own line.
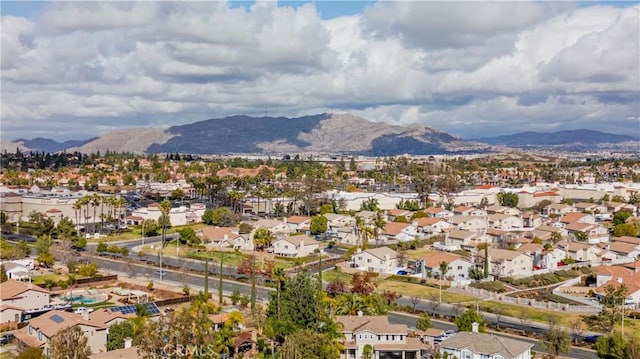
point(410, 321)
point(146, 273)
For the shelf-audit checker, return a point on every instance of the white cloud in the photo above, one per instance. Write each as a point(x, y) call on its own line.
point(470, 68)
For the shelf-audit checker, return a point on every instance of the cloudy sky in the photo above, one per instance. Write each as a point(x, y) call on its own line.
point(73, 70)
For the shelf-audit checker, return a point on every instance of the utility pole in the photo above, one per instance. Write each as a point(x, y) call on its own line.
point(220, 299)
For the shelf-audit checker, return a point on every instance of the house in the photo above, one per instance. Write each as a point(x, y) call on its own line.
point(575, 217)
point(346, 235)
point(274, 226)
point(497, 209)
point(22, 296)
point(469, 223)
point(457, 267)
point(403, 232)
point(298, 223)
point(335, 220)
point(463, 211)
point(225, 237)
point(579, 251)
point(531, 220)
point(504, 222)
point(507, 263)
point(616, 276)
point(386, 340)
point(557, 209)
point(595, 233)
point(394, 213)
point(624, 249)
point(40, 330)
point(528, 200)
point(474, 345)
point(457, 239)
point(380, 259)
point(431, 226)
point(586, 207)
point(16, 271)
point(294, 246)
point(438, 212)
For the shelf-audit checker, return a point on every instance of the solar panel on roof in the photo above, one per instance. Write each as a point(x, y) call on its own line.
point(152, 308)
point(56, 318)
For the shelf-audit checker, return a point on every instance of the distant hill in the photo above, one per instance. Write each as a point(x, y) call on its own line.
point(571, 137)
point(48, 145)
point(323, 133)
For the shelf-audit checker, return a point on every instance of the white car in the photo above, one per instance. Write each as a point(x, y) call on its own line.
point(81, 310)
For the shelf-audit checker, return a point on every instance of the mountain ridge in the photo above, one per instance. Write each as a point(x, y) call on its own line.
point(557, 138)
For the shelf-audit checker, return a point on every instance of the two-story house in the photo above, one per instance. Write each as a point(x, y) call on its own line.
point(380, 259)
point(40, 330)
point(403, 232)
point(298, 223)
point(457, 267)
point(294, 246)
point(504, 222)
point(16, 297)
point(431, 226)
point(469, 223)
point(507, 263)
point(385, 340)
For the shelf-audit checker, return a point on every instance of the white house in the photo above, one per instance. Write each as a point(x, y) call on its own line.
point(380, 259)
point(507, 263)
point(505, 222)
point(294, 246)
point(457, 267)
point(394, 231)
point(430, 226)
point(469, 223)
point(474, 345)
point(387, 340)
point(298, 223)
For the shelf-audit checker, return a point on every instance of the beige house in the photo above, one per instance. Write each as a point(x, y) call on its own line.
point(294, 246)
point(226, 237)
point(18, 296)
point(469, 223)
point(504, 222)
point(387, 340)
point(474, 345)
point(298, 223)
point(507, 263)
point(428, 225)
point(40, 330)
point(380, 259)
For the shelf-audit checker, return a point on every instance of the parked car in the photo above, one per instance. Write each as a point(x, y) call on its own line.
point(591, 338)
point(81, 310)
point(161, 273)
point(6, 338)
point(402, 272)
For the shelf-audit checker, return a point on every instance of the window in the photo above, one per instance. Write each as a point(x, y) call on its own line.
point(459, 267)
point(369, 260)
point(39, 335)
point(30, 330)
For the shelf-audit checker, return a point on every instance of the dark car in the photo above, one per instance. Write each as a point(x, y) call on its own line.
point(591, 338)
point(402, 272)
point(6, 338)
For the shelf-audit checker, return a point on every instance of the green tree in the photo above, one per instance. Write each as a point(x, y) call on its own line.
point(263, 238)
point(626, 229)
point(70, 343)
point(102, 247)
point(224, 217)
point(65, 229)
point(367, 352)
point(611, 302)
point(3, 274)
point(620, 217)
point(466, 320)
point(207, 217)
point(611, 347)
point(80, 243)
point(581, 236)
point(117, 334)
point(508, 199)
point(326, 208)
point(310, 344)
point(424, 322)
point(188, 236)
point(556, 340)
point(165, 208)
point(319, 225)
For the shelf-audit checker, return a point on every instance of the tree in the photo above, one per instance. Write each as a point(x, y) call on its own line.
point(318, 225)
point(117, 334)
point(508, 199)
point(466, 320)
point(611, 302)
point(309, 344)
point(70, 343)
point(556, 340)
point(165, 208)
point(620, 217)
point(80, 243)
point(611, 347)
point(3, 274)
point(367, 352)
point(224, 217)
point(424, 322)
point(31, 353)
point(581, 236)
point(362, 282)
point(102, 247)
point(576, 329)
point(444, 268)
point(188, 236)
point(65, 229)
point(263, 238)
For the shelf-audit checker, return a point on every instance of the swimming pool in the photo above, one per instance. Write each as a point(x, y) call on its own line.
point(80, 299)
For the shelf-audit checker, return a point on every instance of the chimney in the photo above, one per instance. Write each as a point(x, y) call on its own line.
point(85, 315)
point(360, 313)
point(619, 280)
point(127, 342)
point(226, 237)
point(474, 327)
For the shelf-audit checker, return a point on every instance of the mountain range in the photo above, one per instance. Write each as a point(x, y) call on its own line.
point(323, 133)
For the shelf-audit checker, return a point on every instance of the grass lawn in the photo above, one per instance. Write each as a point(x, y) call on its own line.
point(331, 275)
point(230, 258)
point(532, 314)
point(417, 253)
point(40, 279)
point(424, 292)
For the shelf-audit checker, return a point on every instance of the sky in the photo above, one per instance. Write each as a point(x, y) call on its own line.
point(74, 70)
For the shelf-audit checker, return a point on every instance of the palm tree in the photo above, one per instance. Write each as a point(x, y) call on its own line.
point(379, 224)
point(165, 207)
point(444, 268)
point(94, 202)
point(279, 275)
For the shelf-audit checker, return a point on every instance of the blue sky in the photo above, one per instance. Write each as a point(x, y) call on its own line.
point(73, 70)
